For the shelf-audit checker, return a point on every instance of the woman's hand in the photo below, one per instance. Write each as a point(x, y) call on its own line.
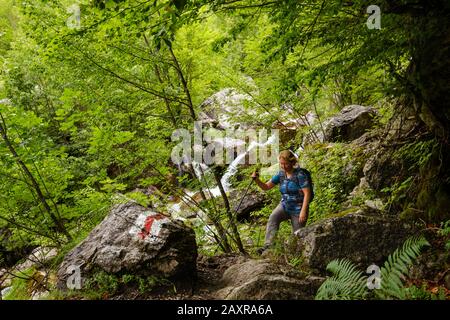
point(305, 205)
point(302, 218)
point(265, 186)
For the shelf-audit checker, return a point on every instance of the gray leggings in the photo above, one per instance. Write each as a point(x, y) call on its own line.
point(277, 216)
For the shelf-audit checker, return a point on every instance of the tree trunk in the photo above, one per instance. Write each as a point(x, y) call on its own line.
point(428, 75)
point(59, 225)
point(232, 220)
point(183, 82)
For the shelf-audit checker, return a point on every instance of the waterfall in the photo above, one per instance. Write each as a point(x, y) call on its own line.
point(198, 168)
point(176, 208)
point(232, 168)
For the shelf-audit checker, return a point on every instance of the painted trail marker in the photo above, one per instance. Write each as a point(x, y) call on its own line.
point(147, 226)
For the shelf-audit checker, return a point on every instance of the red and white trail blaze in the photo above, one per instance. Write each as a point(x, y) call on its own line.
point(148, 226)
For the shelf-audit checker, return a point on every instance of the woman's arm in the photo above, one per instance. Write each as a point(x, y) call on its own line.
point(304, 211)
point(265, 186)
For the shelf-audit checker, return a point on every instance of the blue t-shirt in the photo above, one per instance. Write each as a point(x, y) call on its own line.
point(291, 194)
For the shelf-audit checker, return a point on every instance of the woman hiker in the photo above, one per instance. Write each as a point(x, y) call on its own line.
point(295, 191)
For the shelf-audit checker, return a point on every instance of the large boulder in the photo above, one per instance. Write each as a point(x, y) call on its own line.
point(383, 170)
point(365, 237)
point(264, 280)
point(288, 130)
point(351, 123)
point(244, 204)
point(134, 240)
point(226, 110)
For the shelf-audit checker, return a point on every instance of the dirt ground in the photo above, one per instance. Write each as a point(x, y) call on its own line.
point(209, 274)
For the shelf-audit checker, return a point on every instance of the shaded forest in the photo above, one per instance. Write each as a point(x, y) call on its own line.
point(92, 91)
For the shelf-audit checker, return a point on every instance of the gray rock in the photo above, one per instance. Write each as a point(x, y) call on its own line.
point(381, 170)
point(4, 292)
point(263, 280)
point(376, 204)
point(38, 257)
point(132, 239)
point(223, 109)
point(288, 129)
point(250, 202)
point(364, 237)
point(360, 188)
point(351, 123)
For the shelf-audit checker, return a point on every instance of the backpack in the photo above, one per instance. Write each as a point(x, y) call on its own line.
point(308, 178)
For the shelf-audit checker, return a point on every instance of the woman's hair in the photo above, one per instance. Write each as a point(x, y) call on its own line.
point(288, 155)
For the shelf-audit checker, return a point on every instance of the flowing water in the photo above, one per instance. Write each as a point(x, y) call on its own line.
point(177, 209)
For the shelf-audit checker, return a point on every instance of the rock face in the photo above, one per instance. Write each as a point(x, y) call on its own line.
point(251, 202)
point(41, 278)
point(289, 129)
point(381, 170)
point(434, 262)
point(221, 107)
point(351, 123)
point(263, 280)
point(132, 239)
point(363, 237)
point(38, 257)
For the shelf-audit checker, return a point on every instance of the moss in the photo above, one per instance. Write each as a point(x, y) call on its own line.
point(421, 191)
point(343, 212)
point(423, 198)
point(440, 209)
point(432, 202)
point(430, 206)
point(410, 214)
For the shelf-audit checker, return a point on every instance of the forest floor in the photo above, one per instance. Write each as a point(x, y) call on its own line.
point(210, 270)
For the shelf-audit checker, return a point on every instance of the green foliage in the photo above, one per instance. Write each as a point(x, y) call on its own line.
point(335, 170)
point(416, 155)
point(346, 283)
point(396, 267)
point(93, 108)
point(418, 191)
point(421, 293)
point(349, 283)
point(20, 288)
point(296, 261)
point(103, 283)
point(149, 283)
point(139, 197)
point(284, 248)
point(399, 190)
point(445, 232)
point(8, 24)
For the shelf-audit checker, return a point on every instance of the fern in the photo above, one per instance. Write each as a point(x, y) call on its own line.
point(397, 265)
point(349, 283)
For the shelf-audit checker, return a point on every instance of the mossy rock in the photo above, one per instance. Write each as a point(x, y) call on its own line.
point(343, 213)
